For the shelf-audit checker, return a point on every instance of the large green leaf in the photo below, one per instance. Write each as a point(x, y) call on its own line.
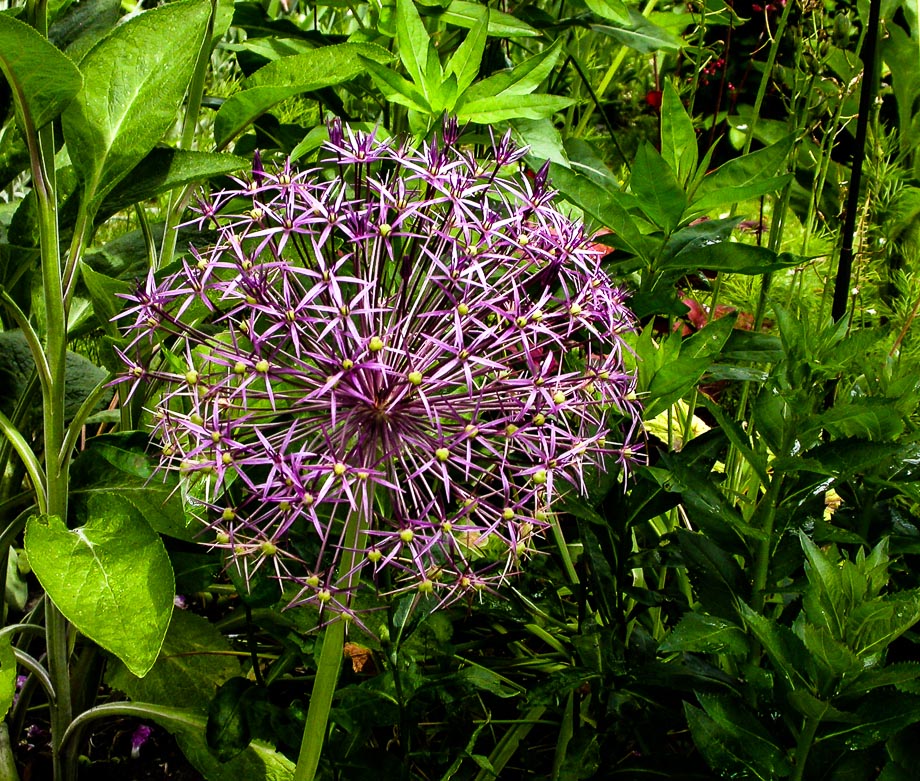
point(165, 169)
point(7, 674)
point(111, 578)
point(43, 80)
point(195, 660)
point(259, 762)
point(522, 79)
point(415, 49)
point(134, 82)
point(466, 60)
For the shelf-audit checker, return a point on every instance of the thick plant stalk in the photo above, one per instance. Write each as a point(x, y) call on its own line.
point(330, 660)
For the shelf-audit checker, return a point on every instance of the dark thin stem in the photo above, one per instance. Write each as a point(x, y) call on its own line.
point(866, 99)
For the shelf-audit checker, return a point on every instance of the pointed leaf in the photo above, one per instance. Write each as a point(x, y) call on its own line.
point(678, 138)
point(640, 34)
point(111, 578)
point(135, 80)
point(7, 674)
point(415, 49)
point(511, 106)
point(613, 10)
point(43, 80)
point(703, 633)
point(395, 88)
point(465, 61)
point(656, 188)
point(520, 80)
point(786, 651)
point(466, 14)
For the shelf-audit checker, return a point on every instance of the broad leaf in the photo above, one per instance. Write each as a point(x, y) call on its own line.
point(613, 10)
point(396, 89)
point(415, 49)
point(43, 80)
point(195, 660)
point(640, 34)
point(135, 80)
point(520, 80)
point(165, 169)
point(111, 578)
point(7, 674)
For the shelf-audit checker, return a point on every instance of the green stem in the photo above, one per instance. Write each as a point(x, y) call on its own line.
point(803, 746)
point(765, 547)
point(330, 660)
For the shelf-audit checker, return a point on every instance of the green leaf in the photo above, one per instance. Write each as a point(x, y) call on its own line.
point(102, 292)
point(743, 178)
point(165, 169)
point(828, 603)
point(259, 762)
point(396, 89)
point(111, 578)
point(465, 61)
point(715, 573)
point(465, 14)
point(289, 76)
point(523, 79)
point(135, 80)
point(500, 108)
point(613, 10)
point(120, 464)
point(43, 80)
point(642, 35)
point(195, 660)
point(786, 651)
point(874, 625)
point(656, 188)
point(905, 676)
point(733, 258)
point(415, 49)
point(881, 715)
point(318, 68)
point(738, 722)
point(702, 633)
point(543, 138)
point(678, 138)
point(7, 674)
point(228, 731)
point(813, 708)
point(830, 653)
point(722, 751)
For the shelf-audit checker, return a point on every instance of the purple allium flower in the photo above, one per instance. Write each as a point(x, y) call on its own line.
point(387, 368)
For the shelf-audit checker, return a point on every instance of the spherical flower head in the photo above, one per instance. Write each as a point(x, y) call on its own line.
point(416, 336)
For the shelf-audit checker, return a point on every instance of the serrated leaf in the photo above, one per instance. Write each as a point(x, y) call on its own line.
point(111, 578)
point(43, 80)
point(195, 660)
point(701, 633)
point(786, 651)
point(135, 80)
